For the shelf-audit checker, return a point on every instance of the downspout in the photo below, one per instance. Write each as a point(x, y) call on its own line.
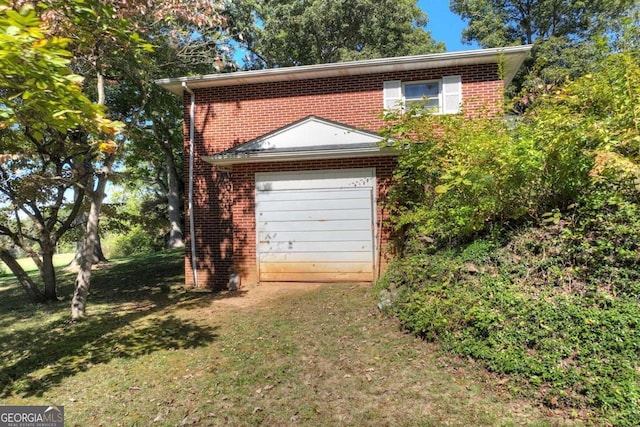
point(192, 226)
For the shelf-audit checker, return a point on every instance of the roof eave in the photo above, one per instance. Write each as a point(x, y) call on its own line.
point(299, 155)
point(511, 57)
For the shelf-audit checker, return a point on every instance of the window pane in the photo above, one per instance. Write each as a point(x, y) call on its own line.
point(431, 105)
point(419, 90)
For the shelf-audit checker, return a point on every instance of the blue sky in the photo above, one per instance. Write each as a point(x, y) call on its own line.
point(445, 25)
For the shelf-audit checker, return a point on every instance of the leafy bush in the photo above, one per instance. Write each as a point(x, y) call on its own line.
point(458, 174)
point(550, 295)
point(576, 347)
point(136, 241)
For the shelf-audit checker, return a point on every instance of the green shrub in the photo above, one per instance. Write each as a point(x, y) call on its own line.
point(136, 241)
point(460, 175)
point(551, 298)
point(572, 348)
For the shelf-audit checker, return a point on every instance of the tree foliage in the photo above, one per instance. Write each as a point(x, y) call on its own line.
point(38, 89)
point(457, 175)
point(292, 32)
point(568, 36)
point(494, 23)
point(49, 131)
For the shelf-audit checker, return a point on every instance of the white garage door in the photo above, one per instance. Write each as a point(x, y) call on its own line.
point(316, 226)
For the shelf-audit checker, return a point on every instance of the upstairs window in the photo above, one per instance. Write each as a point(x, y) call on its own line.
point(424, 94)
point(442, 96)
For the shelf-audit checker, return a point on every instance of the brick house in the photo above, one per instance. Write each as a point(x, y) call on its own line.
point(286, 175)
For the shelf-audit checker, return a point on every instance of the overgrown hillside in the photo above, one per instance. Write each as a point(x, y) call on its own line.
point(520, 242)
point(539, 306)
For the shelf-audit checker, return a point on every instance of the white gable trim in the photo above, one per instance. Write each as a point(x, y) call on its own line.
point(313, 132)
point(309, 138)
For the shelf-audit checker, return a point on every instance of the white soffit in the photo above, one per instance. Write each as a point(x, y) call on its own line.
point(511, 57)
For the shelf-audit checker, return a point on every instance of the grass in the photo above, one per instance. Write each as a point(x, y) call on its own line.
point(59, 260)
point(153, 353)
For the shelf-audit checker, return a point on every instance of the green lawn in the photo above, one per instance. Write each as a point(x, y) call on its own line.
point(153, 353)
point(59, 260)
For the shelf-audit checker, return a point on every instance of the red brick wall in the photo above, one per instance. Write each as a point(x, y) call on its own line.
point(232, 115)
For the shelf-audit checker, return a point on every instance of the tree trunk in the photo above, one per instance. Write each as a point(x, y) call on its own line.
point(48, 273)
point(74, 264)
point(81, 291)
point(32, 290)
point(176, 239)
point(98, 255)
point(83, 279)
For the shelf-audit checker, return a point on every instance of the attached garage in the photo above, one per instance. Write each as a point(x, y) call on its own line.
point(316, 226)
point(314, 210)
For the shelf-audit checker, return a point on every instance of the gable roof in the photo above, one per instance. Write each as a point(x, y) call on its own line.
point(310, 137)
point(510, 57)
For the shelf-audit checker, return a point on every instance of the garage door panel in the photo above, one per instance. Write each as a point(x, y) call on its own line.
point(350, 256)
point(321, 225)
point(304, 180)
point(315, 215)
point(318, 183)
point(315, 267)
point(309, 205)
point(316, 277)
point(314, 236)
point(288, 195)
point(292, 247)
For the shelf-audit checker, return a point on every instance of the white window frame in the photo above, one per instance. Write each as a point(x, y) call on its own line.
point(449, 94)
point(405, 101)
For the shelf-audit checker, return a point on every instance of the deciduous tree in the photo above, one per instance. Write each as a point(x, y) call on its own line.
point(496, 23)
point(48, 132)
point(567, 35)
point(292, 32)
point(113, 49)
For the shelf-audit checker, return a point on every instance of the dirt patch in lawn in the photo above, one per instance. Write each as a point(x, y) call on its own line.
point(261, 294)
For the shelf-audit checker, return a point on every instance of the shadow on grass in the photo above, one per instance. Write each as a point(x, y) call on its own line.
point(132, 301)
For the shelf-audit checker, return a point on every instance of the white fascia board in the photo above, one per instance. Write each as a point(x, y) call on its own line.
point(300, 155)
point(511, 57)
